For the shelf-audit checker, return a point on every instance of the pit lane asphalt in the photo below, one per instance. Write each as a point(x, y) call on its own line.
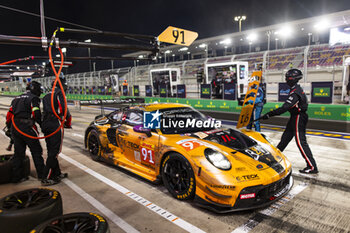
point(322, 206)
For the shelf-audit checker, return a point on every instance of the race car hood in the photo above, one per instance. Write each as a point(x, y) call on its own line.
point(241, 146)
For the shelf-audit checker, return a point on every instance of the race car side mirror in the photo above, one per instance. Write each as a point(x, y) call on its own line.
point(141, 129)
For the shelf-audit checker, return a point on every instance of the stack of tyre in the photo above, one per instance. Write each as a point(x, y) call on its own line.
point(40, 210)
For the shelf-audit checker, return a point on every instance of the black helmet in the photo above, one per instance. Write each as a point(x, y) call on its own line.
point(35, 88)
point(293, 76)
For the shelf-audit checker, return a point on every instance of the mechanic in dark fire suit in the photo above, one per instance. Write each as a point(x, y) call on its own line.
point(297, 105)
point(25, 110)
point(52, 171)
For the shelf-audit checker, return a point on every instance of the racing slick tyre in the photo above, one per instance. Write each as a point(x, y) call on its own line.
point(6, 168)
point(74, 222)
point(178, 176)
point(22, 211)
point(94, 145)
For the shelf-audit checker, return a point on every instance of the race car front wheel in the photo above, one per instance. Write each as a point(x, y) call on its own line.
point(178, 176)
point(94, 145)
point(74, 222)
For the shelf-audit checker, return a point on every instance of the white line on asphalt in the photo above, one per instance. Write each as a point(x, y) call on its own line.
point(251, 223)
point(165, 214)
point(77, 135)
point(103, 209)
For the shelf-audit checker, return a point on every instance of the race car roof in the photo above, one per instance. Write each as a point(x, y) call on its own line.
point(158, 106)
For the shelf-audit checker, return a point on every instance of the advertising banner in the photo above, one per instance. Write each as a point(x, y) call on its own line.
point(322, 92)
point(148, 90)
point(163, 90)
point(229, 91)
point(181, 91)
point(283, 92)
point(136, 90)
point(205, 91)
point(76, 90)
point(125, 90)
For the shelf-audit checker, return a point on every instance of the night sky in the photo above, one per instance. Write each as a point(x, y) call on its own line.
point(208, 18)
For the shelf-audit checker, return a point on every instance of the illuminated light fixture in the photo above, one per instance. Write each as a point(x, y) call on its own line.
point(88, 40)
point(160, 57)
point(321, 25)
point(226, 41)
point(225, 47)
point(309, 34)
point(173, 55)
point(302, 29)
point(64, 50)
point(276, 39)
point(57, 55)
point(140, 56)
point(188, 52)
point(44, 63)
point(284, 32)
point(347, 29)
point(241, 39)
point(28, 68)
point(183, 49)
point(17, 67)
point(252, 37)
point(202, 45)
point(168, 51)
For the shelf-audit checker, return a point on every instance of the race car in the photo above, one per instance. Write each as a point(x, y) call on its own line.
point(221, 168)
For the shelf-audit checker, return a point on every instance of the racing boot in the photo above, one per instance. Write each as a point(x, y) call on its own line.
point(48, 182)
point(308, 170)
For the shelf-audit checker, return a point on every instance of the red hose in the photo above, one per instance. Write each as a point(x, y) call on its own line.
point(57, 79)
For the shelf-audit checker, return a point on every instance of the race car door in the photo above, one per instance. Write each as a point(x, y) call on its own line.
point(140, 148)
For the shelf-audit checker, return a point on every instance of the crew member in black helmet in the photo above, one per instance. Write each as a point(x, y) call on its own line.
point(52, 171)
point(297, 105)
point(26, 111)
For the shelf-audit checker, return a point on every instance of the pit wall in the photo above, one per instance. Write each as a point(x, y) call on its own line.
point(315, 111)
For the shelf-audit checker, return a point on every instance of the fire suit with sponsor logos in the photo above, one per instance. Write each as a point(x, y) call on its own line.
point(297, 105)
point(49, 125)
point(25, 110)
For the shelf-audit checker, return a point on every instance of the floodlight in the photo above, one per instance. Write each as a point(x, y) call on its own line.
point(226, 41)
point(173, 55)
point(140, 56)
point(236, 18)
point(183, 49)
point(57, 55)
point(252, 37)
point(321, 25)
point(202, 45)
point(88, 40)
point(244, 17)
point(44, 63)
point(64, 50)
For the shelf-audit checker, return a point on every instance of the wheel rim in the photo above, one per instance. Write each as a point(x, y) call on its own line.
point(72, 224)
point(26, 199)
point(177, 175)
point(93, 145)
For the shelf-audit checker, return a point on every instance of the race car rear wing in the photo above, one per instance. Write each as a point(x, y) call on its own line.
point(112, 103)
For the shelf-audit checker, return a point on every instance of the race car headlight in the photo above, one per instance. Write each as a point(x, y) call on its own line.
point(217, 159)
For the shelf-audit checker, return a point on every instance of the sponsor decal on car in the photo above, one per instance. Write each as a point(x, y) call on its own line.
point(247, 196)
point(247, 177)
point(147, 152)
point(222, 186)
point(137, 155)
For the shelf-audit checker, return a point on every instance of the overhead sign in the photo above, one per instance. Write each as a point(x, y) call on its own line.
point(178, 36)
point(65, 64)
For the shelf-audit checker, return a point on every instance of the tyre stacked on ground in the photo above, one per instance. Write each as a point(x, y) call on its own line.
point(22, 211)
point(6, 168)
point(74, 222)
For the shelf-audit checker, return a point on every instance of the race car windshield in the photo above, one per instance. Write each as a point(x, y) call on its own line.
point(184, 120)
